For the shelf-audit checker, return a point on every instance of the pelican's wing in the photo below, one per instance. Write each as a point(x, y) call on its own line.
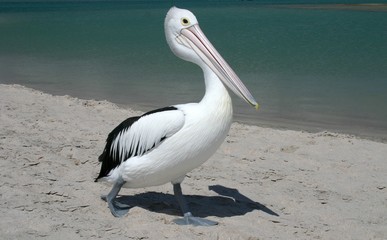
point(137, 135)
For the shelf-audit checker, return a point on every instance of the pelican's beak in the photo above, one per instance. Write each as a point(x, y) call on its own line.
point(194, 38)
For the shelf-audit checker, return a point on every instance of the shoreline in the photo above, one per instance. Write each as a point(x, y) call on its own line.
point(294, 125)
point(313, 128)
point(262, 183)
point(266, 122)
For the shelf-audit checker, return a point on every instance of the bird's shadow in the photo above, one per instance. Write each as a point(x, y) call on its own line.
point(230, 202)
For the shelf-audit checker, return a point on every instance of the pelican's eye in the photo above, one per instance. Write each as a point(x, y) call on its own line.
point(184, 21)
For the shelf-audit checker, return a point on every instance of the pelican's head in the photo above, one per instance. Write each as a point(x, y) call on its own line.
point(188, 42)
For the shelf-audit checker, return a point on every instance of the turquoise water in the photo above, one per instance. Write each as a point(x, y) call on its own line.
point(308, 69)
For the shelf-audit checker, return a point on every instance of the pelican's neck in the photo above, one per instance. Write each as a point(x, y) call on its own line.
point(216, 93)
point(216, 105)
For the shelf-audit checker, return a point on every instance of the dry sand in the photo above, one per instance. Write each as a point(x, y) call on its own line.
point(261, 184)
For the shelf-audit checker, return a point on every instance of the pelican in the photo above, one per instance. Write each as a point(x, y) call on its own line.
point(163, 145)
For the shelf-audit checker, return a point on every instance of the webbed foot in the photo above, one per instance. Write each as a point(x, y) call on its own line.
point(116, 208)
point(195, 221)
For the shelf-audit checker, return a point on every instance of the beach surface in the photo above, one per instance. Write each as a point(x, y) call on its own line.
point(261, 184)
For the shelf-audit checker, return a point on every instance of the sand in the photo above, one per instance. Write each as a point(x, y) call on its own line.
point(261, 184)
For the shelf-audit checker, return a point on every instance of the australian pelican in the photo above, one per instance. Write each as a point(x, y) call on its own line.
point(163, 145)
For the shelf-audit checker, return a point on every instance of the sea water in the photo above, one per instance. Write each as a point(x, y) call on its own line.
point(309, 69)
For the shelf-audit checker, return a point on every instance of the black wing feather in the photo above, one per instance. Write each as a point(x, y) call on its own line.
point(110, 160)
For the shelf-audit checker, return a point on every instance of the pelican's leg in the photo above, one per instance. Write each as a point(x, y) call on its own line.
point(116, 208)
point(188, 218)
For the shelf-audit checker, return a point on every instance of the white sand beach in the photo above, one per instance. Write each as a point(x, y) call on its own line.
point(261, 184)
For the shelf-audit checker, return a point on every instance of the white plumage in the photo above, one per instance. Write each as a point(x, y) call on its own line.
point(163, 145)
point(147, 133)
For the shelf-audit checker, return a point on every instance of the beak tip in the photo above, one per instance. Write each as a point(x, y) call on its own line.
point(256, 106)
